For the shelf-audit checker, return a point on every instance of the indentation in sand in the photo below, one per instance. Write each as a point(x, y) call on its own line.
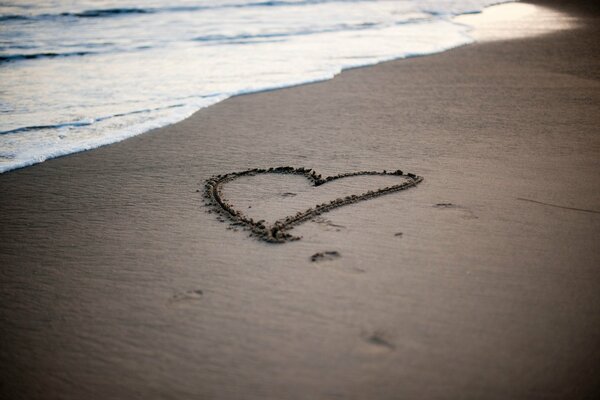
point(188, 295)
point(325, 256)
point(327, 224)
point(378, 341)
point(559, 206)
point(277, 232)
point(466, 212)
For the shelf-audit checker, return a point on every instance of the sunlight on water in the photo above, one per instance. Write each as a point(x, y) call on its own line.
point(515, 20)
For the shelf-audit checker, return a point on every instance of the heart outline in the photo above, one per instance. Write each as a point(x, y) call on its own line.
point(277, 232)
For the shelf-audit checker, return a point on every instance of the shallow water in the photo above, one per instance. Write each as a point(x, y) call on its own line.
point(75, 75)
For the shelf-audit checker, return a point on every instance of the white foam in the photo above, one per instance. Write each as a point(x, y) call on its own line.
point(196, 59)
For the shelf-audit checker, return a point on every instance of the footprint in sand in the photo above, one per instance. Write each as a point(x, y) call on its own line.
point(325, 256)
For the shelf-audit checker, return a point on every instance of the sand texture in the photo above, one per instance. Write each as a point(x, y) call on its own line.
point(117, 281)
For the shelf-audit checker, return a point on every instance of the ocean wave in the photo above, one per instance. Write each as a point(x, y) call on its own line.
point(109, 12)
point(40, 127)
point(5, 58)
point(14, 18)
point(243, 37)
point(18, 57)
point(106, 89)
point(208, 39)
point(89, 121)
point(116, 12)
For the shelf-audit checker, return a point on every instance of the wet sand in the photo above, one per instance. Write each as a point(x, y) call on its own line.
point(481, 282)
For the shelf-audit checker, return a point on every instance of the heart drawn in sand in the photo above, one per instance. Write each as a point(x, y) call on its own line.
point(277, 232)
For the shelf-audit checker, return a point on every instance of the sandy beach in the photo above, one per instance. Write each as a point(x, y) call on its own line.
point(482, 281)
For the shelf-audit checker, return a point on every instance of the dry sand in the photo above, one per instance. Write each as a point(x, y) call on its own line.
point(483, 282)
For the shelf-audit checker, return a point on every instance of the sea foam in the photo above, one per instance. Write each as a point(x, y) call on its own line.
point(74, 77)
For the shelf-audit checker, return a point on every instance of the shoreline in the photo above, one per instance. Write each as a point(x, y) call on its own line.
point(137, 130)
point(481, 282)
